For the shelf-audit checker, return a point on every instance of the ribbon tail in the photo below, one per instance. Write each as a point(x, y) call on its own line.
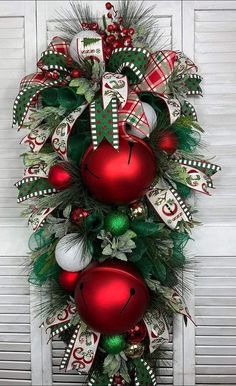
point(104, 122)
point(144, 375)
point(80, 353)
point(157, 328)
point(61, 134)
point(169, 206)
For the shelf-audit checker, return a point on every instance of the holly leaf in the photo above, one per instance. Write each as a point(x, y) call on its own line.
point(89, 95)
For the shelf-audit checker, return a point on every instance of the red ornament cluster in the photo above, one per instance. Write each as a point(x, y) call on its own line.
point(168, 142)
point(78, 215)
point(59, 177)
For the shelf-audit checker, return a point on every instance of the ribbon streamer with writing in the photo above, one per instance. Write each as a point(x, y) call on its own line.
point(60, 321)
point(157, 329)
point(114, 86)
point(169, 205)
point(81, 351)
point(63, 130)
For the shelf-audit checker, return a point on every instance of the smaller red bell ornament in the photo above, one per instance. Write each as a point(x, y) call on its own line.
point(119, 176)
point(67, 280)
point(59, 177)
point(111, 297)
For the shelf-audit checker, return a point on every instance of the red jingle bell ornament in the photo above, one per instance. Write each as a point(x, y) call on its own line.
point(111, 297)
point(59, 177)
point(137, 333)
point(168, 142)
point(68, 280)
point(119, 176)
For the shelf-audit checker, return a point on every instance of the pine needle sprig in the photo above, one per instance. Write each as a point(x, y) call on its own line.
point(141, 17)
point(69, 21)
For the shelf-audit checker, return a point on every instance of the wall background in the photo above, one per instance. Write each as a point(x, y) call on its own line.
point(206, 355)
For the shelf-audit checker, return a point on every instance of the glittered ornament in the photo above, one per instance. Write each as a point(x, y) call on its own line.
point(68, 280)
point(134, 351)
point(111, 297)
point(86, 44)
point(78, 215)
point(168, 142)
point(119, 177)
point(59, 178)
point(138, 211)
point(113, 344)
point(117, 223)
point(151, 118)
point(71, 254)
point(137, 333)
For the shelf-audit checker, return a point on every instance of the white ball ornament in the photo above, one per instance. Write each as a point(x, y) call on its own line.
point(86, 44)
point(151, 118)
point(70, 253)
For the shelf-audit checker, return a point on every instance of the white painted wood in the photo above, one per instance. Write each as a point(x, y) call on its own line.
point(209, 37)
point(17, 57)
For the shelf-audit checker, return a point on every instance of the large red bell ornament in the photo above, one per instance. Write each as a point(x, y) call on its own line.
point(119, 176)
point(111, 297)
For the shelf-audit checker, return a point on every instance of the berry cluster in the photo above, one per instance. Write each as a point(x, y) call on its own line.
point(116, 35)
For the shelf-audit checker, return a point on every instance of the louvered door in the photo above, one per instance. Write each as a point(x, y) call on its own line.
point(209, 36)
point(17, 56)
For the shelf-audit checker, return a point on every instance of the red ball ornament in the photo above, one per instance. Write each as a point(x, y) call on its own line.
point(68, 280)
point(75, 73)
point(117, 44)
point(127, 41)
point(109, 15)
point(137, 333)
point(168, 142)
point(58, 177)
point(125, 31)
point(111, 297)
point(78, 214)
point(119, 176)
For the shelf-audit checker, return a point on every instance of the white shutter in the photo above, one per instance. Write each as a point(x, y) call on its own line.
point(210, 39)
point(17, 53)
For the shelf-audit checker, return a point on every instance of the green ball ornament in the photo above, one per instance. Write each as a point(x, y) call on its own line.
point(113, 344)
point(117, 223)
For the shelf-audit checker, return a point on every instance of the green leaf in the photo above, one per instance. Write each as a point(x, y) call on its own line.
point(74, 82)
point(107, 251)
point(121, 256)
point(89, 95)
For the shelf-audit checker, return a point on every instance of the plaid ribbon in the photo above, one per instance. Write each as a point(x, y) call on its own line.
point(159, 70)
point(133, 114)
point(55, 57)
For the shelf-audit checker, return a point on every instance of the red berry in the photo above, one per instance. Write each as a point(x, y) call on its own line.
point(117, 44)
point(109, 15)
point(75, 73)
point(120, 19)
point(69, 60)
point(94, 26)
point(127, 41)
point(116, 27)
point(108, 6)
point(131, 31)
point(111, 38)
point(110, 28)
point(55, 75)
point(125, 31)
point(48, 75)
point(103, 35)
point(84, 25)
point(108, 51)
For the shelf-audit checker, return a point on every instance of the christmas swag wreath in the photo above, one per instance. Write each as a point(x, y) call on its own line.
point(113, 158)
